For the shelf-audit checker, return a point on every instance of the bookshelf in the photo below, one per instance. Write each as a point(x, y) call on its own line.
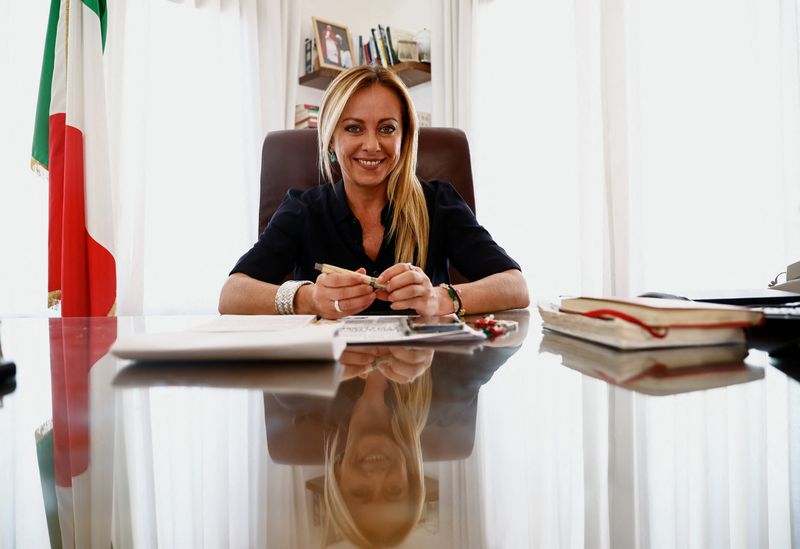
point(412, 73)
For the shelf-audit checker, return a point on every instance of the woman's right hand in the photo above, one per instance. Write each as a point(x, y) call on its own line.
point(399, 364)
point(335, 296)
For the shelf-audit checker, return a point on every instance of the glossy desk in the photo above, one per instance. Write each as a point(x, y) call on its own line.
point(525, 442)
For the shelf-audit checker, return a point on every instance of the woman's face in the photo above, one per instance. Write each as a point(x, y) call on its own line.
point(368, 138)
point(374, 483)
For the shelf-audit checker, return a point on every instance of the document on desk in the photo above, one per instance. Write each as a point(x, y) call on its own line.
point(280, 338)
point(239, 337)
point(396, 329)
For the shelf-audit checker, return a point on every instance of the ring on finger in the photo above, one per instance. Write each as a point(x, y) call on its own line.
point(336, 306)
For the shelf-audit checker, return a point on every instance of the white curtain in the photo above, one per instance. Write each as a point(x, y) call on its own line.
point(621, 147)
point(451, 69)
point(193, 88)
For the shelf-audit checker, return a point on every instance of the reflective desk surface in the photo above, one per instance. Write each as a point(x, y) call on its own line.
point(532, 440)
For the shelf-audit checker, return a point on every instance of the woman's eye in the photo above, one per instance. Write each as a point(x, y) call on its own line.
point(393, 492)
point(388, 129)
point(352, 129)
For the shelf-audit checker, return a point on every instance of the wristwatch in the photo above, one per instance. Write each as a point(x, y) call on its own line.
point(284, 298)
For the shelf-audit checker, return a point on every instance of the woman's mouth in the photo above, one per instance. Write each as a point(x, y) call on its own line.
point(369, 164)
point(374, 458)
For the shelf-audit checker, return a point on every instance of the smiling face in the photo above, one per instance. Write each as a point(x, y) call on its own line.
point(368, 137)
point(374, 482)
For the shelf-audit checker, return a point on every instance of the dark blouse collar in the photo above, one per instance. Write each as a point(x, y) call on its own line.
point(341, 209)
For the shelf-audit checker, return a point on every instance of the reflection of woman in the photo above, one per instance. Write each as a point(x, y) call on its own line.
point(379, 218)
point(374, 482)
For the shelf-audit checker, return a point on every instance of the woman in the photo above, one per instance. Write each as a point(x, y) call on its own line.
point(378, 219)
point(374, 480)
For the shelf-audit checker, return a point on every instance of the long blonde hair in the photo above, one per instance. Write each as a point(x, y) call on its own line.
point(409, 224)
point(410, 405)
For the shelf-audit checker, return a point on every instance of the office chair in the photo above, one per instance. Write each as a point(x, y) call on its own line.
point(289, 161)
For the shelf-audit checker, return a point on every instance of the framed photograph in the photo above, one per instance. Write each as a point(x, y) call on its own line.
point(334, 47)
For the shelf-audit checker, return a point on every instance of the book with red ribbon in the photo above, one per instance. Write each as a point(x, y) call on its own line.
point(638, 323)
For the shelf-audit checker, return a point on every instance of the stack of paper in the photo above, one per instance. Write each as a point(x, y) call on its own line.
point(239, 337)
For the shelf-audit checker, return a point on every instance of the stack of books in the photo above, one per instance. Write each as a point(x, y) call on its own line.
point(306, 116)
point(655, 371)
point(642, 323)
point(377, 48)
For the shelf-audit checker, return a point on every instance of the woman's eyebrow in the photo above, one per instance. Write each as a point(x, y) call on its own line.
point(360, 121)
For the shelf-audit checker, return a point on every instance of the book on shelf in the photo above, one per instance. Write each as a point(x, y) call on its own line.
point(306, 116)
point(381, 53)
point(309, 55)
point(600, 321)
point(387, 47)
point(307, 123)
point(655, 371)
point(392, 49)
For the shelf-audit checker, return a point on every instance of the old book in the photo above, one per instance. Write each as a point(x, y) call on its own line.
point(656, 313)
point(655, 371)
point(625, 334)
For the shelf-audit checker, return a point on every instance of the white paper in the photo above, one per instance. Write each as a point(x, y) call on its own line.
point(311, 342)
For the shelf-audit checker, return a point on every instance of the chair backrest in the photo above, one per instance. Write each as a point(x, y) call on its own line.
point(289, 161)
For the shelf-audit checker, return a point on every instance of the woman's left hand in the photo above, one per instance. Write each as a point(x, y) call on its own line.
point(410, 288)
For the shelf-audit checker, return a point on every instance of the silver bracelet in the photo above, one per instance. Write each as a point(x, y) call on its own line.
point(284, 298)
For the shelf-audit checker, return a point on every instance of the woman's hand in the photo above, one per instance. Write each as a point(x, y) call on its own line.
point(335, 296)
point(398, 364)
point(404, 365)
point(410, 288)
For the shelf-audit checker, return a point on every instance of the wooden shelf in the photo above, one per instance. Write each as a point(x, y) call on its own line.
point(412, 73)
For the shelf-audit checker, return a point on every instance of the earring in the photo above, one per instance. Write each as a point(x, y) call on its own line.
point(332, 156)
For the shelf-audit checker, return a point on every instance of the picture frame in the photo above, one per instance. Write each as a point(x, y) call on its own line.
point(334, 45)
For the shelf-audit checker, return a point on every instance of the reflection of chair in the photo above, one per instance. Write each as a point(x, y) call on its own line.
point(289, 161)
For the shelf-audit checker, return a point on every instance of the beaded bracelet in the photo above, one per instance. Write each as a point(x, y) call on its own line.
point(458, 305)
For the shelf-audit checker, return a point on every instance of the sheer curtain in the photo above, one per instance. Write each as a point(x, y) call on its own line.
point(194, 87)
point(621, 147)
point(451, 47)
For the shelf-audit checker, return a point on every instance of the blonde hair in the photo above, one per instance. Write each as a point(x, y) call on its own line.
point(409, 224)
point(410, 406)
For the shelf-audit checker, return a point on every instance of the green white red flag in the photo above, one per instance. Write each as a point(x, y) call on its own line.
point(70, 146)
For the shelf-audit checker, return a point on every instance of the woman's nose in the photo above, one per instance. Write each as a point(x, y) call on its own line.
point(371, 141)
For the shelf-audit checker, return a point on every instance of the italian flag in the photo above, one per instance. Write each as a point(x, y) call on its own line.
point(70, 146)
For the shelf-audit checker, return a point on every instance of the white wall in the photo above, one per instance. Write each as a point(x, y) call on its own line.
point(359, 16)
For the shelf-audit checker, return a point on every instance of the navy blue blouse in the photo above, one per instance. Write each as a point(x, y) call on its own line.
point(317, 226)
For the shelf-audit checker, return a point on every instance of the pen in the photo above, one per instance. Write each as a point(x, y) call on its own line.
point(332, 269)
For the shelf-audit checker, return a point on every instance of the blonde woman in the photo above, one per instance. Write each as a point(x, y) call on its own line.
point(378, 219)
point(374, 479)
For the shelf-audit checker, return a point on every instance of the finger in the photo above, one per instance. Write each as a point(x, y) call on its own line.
point(417, 304)
point(357, 304)
point(392, 375)
point(357, 358)
point(396, 270)
point(411, 356)
point(407, 293)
